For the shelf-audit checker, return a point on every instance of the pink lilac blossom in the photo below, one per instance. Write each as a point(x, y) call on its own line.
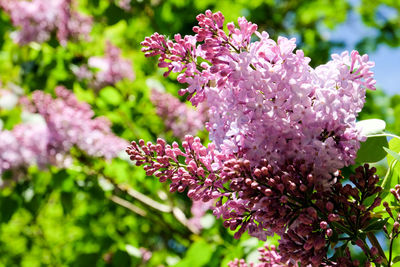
point(71, 122)
point(36, 20)
point(82, 72)
point(264, 99)
point(177, 116)
point(280, 132)
point(72, 24)
point(24, 145)
point(112, 67)
point(67, 122)
point(146, 254)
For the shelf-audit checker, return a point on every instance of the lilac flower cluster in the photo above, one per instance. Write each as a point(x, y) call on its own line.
point(269, 257)
point(264, 100)
point(24, 145)
point(71, 122)
point(67, 122)
point(111, 68)
point(36, 20)
point(280, 132)
point(263, 200)
point(177, 116)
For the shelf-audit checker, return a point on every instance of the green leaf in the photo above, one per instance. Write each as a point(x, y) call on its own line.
point(198, 255)
point(34, 205)
point(372, 149)
point(394, 165)
point(394, 145)
point(121, 258)
point(339, 252)
point(396, 259)
point(67, 201)
point(86, 259)
point(8, 206)
point(369, 200)
point(375, 224)
point(59, 178)
point(111, 96)
point(390, 180)
point(395, 155)
point(341, 228)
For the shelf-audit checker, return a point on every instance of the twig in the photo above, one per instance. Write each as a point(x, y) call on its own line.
point(145, 199)
point(126, 204)
point(180, 216)
point(178, 213)
point(393, 237)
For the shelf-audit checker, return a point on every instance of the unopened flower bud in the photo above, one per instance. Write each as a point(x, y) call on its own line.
point(374, 251)
point(323, 225)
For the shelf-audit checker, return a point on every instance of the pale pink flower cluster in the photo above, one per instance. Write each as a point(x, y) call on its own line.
point(36, 20)
point(177, 116)
point(67, 122)
point(26, 144)
point(265, 101)
point(111, 68)
point(71, 122)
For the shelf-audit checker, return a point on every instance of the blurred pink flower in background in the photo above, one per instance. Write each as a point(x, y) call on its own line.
point(178, 117)
point(110, 68)
point(37, 20)
point(57, 125)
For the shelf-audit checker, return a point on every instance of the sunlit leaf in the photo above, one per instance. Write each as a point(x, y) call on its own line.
point(372, 150)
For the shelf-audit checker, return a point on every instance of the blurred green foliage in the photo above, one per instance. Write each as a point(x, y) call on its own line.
point(66, 217)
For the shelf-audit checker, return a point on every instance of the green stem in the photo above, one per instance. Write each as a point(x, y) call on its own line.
point(390, 251)
point(384, 134)
point(391, 248)
point(387, 175)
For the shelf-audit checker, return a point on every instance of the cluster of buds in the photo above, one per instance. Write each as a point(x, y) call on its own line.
point(265, 200)
point(193, 167)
